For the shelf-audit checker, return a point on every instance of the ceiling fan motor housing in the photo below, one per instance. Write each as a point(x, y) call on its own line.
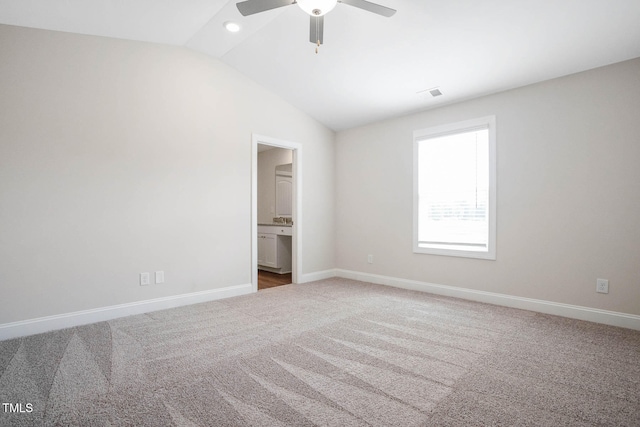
point(317, 7)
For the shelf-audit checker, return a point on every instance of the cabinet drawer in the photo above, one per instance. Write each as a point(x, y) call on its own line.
point(284, 231)
point(274, 229)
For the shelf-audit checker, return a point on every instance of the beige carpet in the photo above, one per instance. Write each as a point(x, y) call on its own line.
point(330, 353)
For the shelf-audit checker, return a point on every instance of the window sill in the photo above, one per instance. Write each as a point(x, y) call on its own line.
point(463, 252)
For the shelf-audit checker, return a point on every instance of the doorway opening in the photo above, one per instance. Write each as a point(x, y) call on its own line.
point(275, 221)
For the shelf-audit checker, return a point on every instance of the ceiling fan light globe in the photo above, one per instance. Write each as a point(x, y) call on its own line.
point(317, 7)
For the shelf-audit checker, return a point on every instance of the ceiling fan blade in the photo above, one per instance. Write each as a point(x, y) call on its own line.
point(251, 7)
point(371, 7)
point(316, 29)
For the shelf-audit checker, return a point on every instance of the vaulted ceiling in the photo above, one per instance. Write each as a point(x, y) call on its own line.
point(370, 67)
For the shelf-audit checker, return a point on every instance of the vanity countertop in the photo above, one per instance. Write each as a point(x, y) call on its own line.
point(275, 224)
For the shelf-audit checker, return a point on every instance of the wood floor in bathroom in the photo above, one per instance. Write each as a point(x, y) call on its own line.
point(271, 280)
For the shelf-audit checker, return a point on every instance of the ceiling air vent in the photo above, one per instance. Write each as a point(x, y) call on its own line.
point(434, 91)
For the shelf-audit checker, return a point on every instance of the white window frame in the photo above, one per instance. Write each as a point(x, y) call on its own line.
point(448, 129)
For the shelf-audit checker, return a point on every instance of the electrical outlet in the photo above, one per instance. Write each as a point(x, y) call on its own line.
point(370, 259)
point(602, 286)
point(145, 279)
point(159, 277)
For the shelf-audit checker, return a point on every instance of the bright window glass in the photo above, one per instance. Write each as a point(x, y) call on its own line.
point(454, 180)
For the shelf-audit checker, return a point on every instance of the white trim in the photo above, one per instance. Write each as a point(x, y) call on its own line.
point(318, 275)
point(101, 314)
point(84, 317)
point(488, 122)
point(606, 317)
point(296, 214)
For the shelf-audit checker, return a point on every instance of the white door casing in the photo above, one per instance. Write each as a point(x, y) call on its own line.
point(296, 212)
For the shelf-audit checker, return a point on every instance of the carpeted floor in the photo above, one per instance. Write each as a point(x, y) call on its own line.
point(331, 353)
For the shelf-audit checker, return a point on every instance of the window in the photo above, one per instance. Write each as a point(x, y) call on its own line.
point(454, 206)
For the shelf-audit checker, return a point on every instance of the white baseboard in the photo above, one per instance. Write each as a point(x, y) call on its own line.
point(612, 318)
point(67, 320)
point(84, 317)
point(318, 275)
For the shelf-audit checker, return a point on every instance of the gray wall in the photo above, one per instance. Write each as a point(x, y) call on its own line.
point(568, 164)
point(119, 157)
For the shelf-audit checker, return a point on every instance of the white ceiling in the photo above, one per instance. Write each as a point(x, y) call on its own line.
point(370, 67)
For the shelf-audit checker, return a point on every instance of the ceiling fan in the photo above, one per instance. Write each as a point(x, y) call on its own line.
point(316, 8)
